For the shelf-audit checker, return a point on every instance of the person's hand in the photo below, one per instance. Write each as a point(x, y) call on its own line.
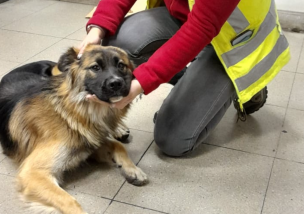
point(94, 37)
point(135, 90)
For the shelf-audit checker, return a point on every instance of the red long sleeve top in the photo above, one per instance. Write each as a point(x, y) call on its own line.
point(199, 27)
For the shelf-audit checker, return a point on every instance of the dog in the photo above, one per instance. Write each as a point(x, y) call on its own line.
point(48, 126)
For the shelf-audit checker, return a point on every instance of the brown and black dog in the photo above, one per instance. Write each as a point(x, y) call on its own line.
point(48, 126)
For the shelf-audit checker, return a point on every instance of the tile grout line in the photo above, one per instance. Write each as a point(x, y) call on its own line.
point(288, 160)
point(2, 160)
point(5, 60)
point(33, 33)
point(275, 158)
point(144, 153)
point(43, 50)
point(34, 12)
point(113, 199)
point(60, 39)
point(85, 193)
point(267, 186)
point(302, 46)
point(72, 33)
point(302, 52)
point(283, 124)
point(251, 153)
point(2, 75)
point(141, 130)
point(139, 206)
point(286, 106)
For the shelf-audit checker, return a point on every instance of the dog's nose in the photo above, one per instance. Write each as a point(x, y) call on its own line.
point(115, 84)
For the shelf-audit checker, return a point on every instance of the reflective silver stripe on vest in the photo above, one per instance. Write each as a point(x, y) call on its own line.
point(237, 54)
point(238, 21)
point(263, 66)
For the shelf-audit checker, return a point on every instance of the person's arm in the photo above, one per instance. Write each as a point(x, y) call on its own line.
point(105, 20)
point(110, 13)
point(203, 24)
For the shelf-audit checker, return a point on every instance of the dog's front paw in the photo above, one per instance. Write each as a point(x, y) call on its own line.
point(122, 133)
point(135, 176)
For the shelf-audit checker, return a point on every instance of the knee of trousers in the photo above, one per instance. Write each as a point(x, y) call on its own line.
point(141, 34)
point(169, 143)
point(175, 143)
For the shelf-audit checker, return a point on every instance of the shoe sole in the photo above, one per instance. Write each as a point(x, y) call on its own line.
point(251, 111)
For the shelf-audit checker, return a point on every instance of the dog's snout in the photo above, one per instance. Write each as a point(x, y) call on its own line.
point(115, 84)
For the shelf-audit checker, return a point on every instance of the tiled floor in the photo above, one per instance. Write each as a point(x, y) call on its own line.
point(256, 167)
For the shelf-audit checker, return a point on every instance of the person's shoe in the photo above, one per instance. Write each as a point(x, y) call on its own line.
point(255, 103)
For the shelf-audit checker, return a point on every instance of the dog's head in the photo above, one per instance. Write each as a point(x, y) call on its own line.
point(103, 71)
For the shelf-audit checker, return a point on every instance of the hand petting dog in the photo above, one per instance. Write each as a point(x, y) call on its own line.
point(135, 90)
point(94, 36)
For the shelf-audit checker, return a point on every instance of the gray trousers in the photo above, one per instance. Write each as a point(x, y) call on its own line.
point(197, 102)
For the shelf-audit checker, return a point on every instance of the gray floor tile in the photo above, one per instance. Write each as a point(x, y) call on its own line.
point(279, 89)
point(94, 179)
point(54, 52)
point(295, 41)
point(6, 66)
point(142, 112)
point(28, 5)
point(2, 156)
point(8, 167)
point(213, 180)
point(291, 144)
point(78, 35)
point(104, 180)
point(18, 47)
point(259, 134)
point(116, 208)
point(301, 62)
point(91, 204)
point(10, 13)
point(286, 187)
point(59, 20)
point(297, 98)
point(9, 201)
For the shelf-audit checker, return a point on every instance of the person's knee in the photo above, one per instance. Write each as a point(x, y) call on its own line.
point(169, 143)
point(144, 32)
point(167, 146)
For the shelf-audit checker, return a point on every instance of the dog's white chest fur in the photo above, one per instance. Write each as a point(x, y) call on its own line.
point(66, 159)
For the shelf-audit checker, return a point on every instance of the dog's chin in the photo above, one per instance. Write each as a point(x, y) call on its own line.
point(109, 99)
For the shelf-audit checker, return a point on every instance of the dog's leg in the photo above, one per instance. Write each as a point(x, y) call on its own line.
point(122, 132)
point(37, 184)
point(113, 151)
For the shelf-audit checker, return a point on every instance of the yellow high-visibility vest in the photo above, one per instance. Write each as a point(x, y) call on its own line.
point(251, 46)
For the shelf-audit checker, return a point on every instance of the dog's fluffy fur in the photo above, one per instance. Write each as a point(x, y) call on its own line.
point(48, 126)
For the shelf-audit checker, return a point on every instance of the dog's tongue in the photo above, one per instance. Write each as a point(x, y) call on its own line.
point(115, 99)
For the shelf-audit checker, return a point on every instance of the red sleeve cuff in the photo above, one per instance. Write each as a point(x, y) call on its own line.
point(146, 79)
point(109, 26)
point(110, 13)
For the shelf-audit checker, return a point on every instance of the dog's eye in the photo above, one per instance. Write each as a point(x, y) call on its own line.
point(95, 68)
point(121, 66)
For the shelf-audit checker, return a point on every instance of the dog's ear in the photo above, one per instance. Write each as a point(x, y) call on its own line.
point(132, 65)
point(67, 59)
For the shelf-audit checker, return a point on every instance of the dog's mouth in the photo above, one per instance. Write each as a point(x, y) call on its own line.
point(105, 96)
point(115, 99)
point(111, 90)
